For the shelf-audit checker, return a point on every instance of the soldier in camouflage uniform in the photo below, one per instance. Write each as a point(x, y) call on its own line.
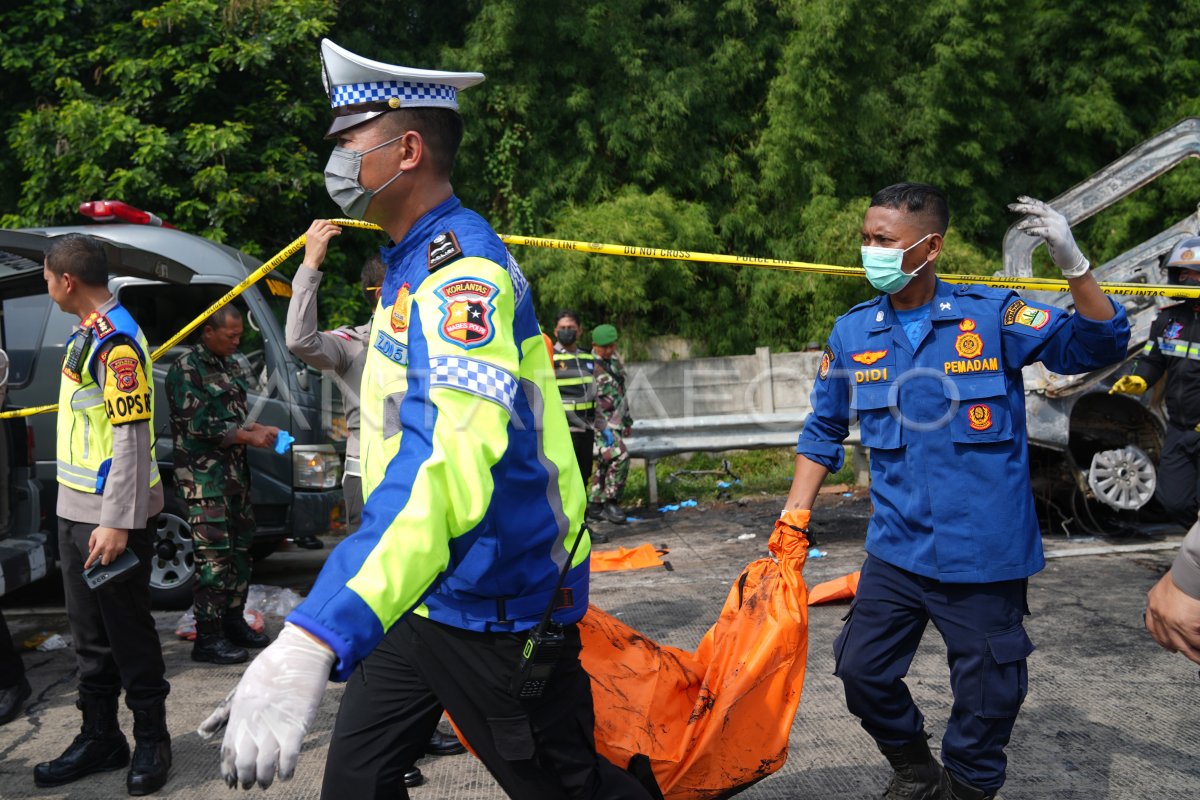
point(206, 389)
point(613, 424)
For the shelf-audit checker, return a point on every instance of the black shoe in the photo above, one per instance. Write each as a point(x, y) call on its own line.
point(151, 753)
point(593, 510)
point(918, 775)
point(99, 747)
point(413, 778)
point(213, 647)
point(444, 744)
point(957, 790)
point(11, 700)
point(597, 537)
point(308, 543)
point(612, 513)
point(238, 631)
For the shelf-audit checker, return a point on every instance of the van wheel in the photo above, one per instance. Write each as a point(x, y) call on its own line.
point(173, 565)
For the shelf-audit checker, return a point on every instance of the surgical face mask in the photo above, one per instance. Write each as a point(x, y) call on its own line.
point(884, 266)
point(341, 180)
point(566, 336)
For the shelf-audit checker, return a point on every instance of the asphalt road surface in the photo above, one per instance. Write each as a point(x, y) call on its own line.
point(1109, 714)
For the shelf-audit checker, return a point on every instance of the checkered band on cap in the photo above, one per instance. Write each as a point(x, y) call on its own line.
point(409, 93)
point(475, 377)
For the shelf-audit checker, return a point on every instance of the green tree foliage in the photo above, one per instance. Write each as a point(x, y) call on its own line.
point(755, 127)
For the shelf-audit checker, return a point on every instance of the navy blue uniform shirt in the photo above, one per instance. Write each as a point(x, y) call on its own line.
point(945, 422)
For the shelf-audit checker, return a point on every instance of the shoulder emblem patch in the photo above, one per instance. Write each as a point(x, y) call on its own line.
point(979, 417)
point(126, 392)
point(868, 357)
point(968, 345)
point(400, 309)
point(467, 308)
point(826, 362)
point(443, 249)
point(1021, 313)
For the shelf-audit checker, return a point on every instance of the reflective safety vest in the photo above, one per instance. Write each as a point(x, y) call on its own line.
point(85, 441)
point(573, 372)
point(474, 502)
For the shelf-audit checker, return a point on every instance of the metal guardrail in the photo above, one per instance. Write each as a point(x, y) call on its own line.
point(654, 438)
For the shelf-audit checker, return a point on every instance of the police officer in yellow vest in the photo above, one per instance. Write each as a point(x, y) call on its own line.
point(472, 533)
point(573, 372)
point(109, 497)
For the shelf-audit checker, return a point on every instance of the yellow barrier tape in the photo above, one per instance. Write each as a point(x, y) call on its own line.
point(258, 274)
point(1032, 284)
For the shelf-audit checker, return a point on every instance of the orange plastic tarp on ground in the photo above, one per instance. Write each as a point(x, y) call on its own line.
point(842, 588)
point(626, 558)
point(718, 719)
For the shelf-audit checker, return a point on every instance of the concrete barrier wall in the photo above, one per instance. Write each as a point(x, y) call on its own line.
point(764, 382)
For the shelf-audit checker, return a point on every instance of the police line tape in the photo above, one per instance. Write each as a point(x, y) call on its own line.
point(1031, 284)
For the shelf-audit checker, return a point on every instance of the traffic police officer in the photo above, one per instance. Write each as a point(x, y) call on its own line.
point(574, 372)
point(1173, 349)
point(343, 351)
point(109, 496)
point(473, 524)
point(933, 374)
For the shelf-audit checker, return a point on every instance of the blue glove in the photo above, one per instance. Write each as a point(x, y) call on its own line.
point(283, 440)
point(608, 437)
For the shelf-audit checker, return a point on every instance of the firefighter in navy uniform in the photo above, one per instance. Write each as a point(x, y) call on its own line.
point(472, 530)
point(933, 374)
point(1173, 349)
point(109, 496)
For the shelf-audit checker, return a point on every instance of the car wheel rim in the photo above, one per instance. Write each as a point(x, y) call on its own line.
point(173, 563)
point(1123, 479)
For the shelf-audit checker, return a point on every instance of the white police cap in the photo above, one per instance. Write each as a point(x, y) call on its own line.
point(360, 89)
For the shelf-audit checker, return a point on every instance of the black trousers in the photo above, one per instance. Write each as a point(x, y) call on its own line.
point(537, 750)
point(116, 644)
point(1178, 475)
point(12, 669)
point(583, 441)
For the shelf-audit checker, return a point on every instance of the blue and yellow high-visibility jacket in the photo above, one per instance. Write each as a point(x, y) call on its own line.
point(473, 495)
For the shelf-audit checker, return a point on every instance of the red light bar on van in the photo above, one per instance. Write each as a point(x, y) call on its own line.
point(116, 211)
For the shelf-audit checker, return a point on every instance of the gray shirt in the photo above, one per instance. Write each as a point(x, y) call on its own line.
point(342, 351)
point(1186, 569)
point(128, 500)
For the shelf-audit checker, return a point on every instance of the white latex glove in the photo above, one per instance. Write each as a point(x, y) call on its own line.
point(1048, 224)
point(271, 709)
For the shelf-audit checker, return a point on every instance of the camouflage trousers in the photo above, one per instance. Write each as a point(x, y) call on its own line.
point(612, 468)
point(222, 531)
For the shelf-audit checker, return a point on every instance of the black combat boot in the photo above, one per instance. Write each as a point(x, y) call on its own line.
point(151, 752)
point(593, 510)
point(918, 774)
point(213, 647)
point(957, 790)
point(612, 513)
point(240, 633)
point(99, 747)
